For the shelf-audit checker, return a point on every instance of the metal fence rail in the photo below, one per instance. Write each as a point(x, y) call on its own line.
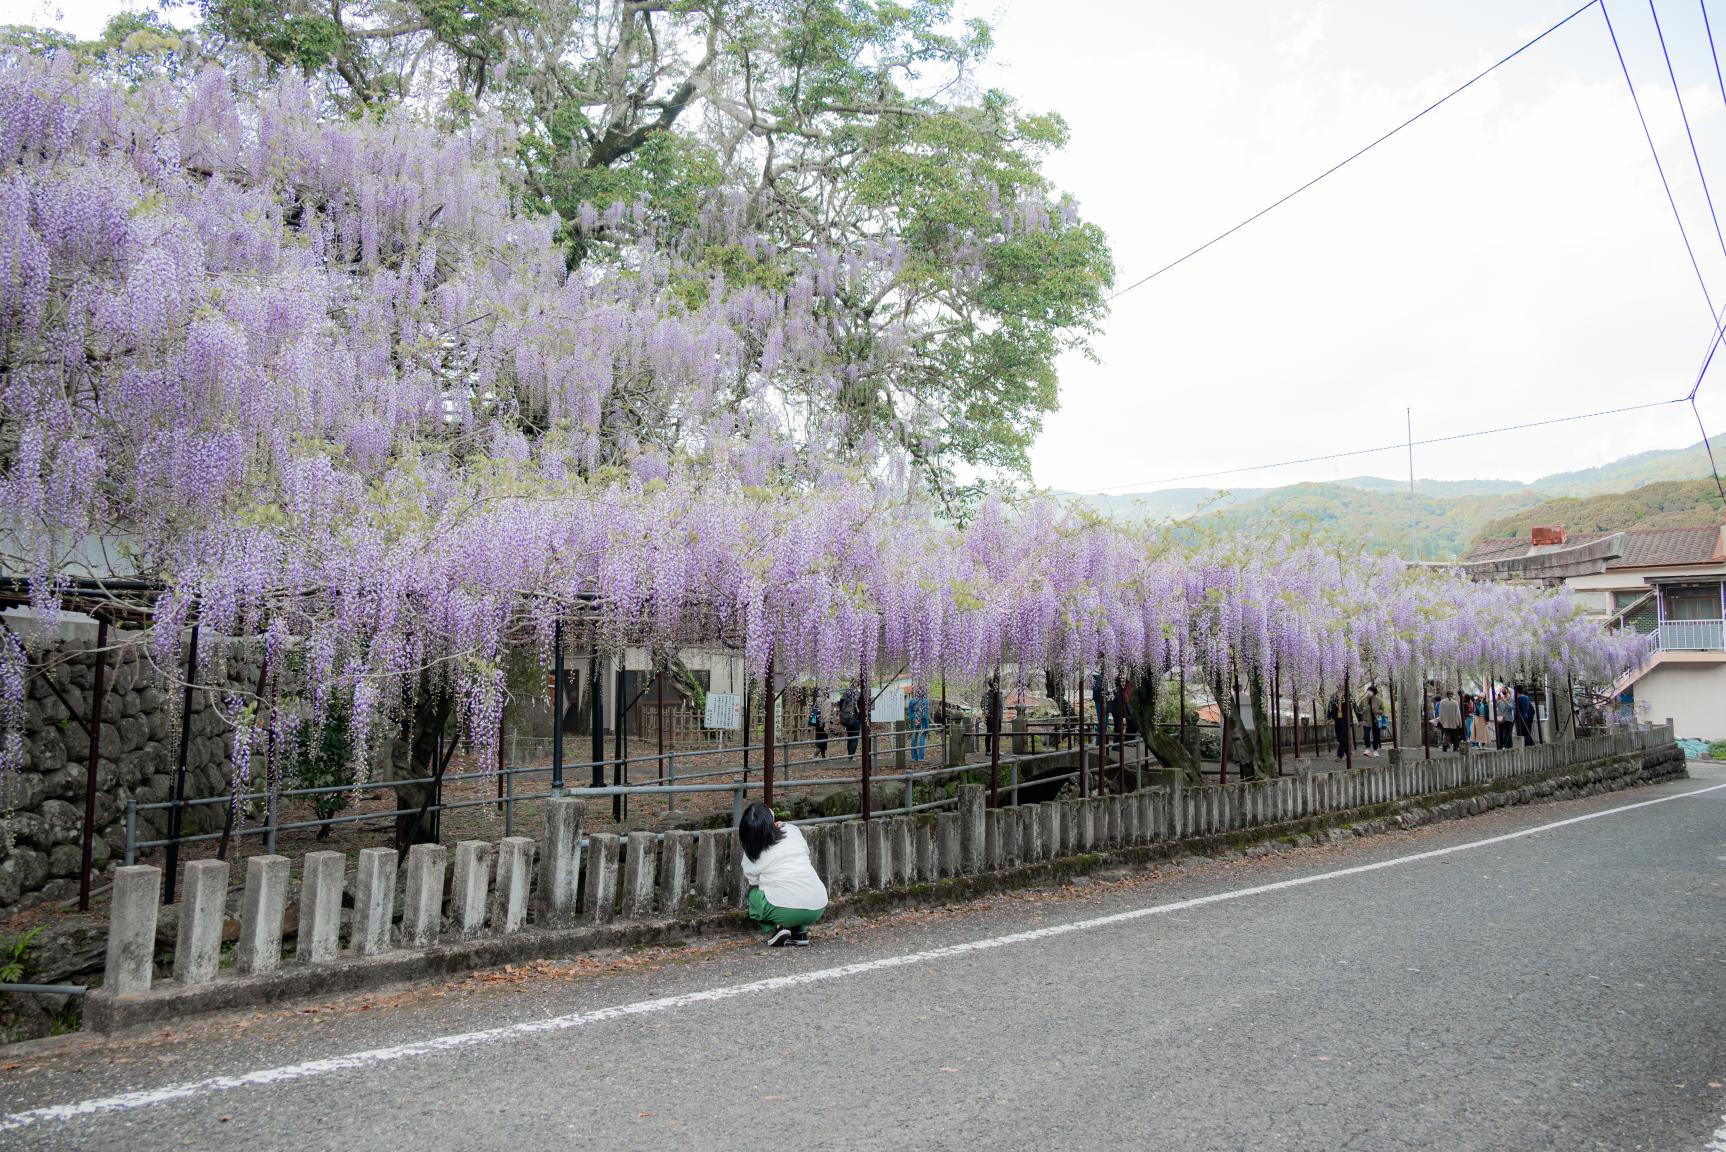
point(745, 782)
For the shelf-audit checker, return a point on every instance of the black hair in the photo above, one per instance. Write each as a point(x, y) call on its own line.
point(757, 831)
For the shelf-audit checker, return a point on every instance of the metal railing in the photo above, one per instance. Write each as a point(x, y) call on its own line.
point(1692, 635)
point(667, 781)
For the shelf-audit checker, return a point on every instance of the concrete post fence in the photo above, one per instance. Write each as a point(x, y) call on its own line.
point(496, 891)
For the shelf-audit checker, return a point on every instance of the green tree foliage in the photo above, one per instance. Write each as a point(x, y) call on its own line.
point(1670, 504)
point(828, 125)
point(322, 757)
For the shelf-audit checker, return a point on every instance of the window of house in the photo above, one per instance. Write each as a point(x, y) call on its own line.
point(1692, 602)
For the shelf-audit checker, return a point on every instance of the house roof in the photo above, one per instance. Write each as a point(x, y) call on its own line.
point(1643, 547)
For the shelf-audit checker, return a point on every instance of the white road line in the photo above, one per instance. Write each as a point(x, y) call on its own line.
point(146, 1098)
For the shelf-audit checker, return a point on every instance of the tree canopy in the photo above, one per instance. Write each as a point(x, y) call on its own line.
point(325, 380)
point(821, 126)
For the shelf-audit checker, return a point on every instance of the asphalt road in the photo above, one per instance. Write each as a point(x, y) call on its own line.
point(1565, 989)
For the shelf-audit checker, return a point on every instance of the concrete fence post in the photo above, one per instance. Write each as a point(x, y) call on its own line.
point(880, 853)
point(203, 908)
point(994, 850)
point(261, 911)
point(947, 843)
point(322, 876)
point(971, 831)
point(1048, 830)
point(677, 857)
point(374, 901)
point(560, 862)
point(601, 894)
point(470, 885)
point(736, 890)
point(1030, 833)
point(422, 910)
point(132, 912)
point(709, 869)
point(923, 834)
point(514, 877)
point(851, 853)
point(904, 851)
point(640, 862)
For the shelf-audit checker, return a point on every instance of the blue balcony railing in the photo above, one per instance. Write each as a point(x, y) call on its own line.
point(1693, 635)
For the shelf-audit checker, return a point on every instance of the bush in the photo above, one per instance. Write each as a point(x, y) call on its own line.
point(1717, 750)
point(323, 758)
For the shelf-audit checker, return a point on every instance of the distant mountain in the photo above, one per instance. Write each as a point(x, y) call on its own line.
point(1635, 471)
point(1664, 504)
point(1163, 504)
point(1381, 521)
point(1650, 489)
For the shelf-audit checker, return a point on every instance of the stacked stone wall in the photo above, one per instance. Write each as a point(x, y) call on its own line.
point(44, 803)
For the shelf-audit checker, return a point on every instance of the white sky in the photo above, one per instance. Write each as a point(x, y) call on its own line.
point(1508, 258)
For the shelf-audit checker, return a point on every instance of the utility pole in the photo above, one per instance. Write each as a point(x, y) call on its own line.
point(1413, 537)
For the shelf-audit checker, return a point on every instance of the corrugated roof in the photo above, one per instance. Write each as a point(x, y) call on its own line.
point(1643, 547)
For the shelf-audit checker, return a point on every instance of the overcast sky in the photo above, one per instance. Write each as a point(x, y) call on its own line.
point(1509, 258)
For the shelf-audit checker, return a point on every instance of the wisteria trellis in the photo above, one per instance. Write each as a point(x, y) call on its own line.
point(327, 384)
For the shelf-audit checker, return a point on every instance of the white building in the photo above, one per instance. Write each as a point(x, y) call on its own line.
point(1667, 582)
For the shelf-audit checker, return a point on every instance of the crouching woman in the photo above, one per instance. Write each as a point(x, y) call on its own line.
point(785, 894)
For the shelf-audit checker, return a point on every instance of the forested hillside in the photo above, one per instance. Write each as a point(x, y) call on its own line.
point(1664, 489)
point(1671, 504)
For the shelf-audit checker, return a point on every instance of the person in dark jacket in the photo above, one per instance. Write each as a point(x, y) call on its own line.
point(851, 718)
point(1337, 712)
point(1524, 717)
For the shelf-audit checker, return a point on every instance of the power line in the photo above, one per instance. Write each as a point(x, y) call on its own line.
point(1718, 78)
point(1718, 487)
point(1409, 444)
point(1688, 135)
point(1655, 152)
point(1357, 155)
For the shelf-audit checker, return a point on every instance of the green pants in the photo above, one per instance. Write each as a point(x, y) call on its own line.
point(772, 918)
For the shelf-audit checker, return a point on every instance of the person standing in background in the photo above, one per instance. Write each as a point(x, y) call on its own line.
point(850, 717)
point(1506, 716)
point(917, 720)
point(1371, 720)
point(1337, 711)
point(1450, 722)
point(818, 723)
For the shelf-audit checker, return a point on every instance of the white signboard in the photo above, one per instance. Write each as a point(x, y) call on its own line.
point(724, 710)
point(889, 706)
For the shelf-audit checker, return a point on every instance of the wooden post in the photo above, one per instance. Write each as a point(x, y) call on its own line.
point(767, 740)
point(1223, 727)
point(619, 748)
point(995, 747)
point(1084, 782)
point(596, 713)
point(1345, 708)
point(94, 724)
point(176, 813)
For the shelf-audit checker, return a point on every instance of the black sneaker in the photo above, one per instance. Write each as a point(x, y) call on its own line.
point(780, 938)
point(800, 937)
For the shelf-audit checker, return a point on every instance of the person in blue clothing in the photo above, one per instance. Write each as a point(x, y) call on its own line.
point(1524, 716)
point(917, 720)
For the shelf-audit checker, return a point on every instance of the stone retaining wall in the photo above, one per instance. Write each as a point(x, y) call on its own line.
point(519, 898)
point(140, 736)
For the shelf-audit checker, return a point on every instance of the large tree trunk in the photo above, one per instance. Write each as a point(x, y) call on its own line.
point(1142, 700)
point(415, 823)
point(1264, 754)
point(1252, 750)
